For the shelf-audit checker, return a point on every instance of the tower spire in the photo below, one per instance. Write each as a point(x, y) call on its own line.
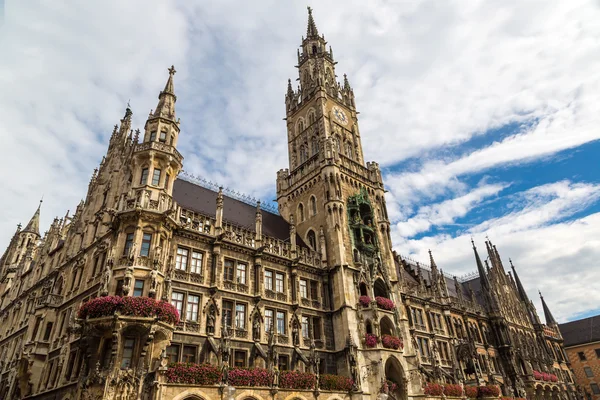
point(480, 269)
point(167, 99)
point(520, 288)
point(550, 321)
point(34, 224)
point(311, 29)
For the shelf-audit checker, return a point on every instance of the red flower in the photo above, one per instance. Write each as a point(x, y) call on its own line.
point(391, 342)
point(453, 390)
point(335, 383)
point(371, 340)
point(297, 380)
point(364, 301)
point(134, 306)
point(488, 391)
point(471, 392)
point(434, 389)
point(384, 303)
point(250, 377)
point(195, 374)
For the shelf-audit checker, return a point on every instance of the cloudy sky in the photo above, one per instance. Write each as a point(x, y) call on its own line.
point(484, 115)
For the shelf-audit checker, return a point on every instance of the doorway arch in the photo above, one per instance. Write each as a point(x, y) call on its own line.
point(394, 373)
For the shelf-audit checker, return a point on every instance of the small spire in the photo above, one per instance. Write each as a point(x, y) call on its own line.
point(346, 83)
point(34, 224)
point(167, 99)
point(520, 288)
point(480, 269)
point(550, 321)
point(432, 261)
point(290, 90)
point(311, 30)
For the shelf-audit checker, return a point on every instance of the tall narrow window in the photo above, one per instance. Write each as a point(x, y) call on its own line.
point(314, 290)
point(314, 146)
point(193, 304)
point(181, 259)
point(173, 353)
point(241, 273)
point(227, 313)
point(300, 212)
point(279, 283)
point(349, 150)
point(317, 327)
point(156, 176)
point(303, 289)
point(145, 249)
point(128, 346)
point(312, 239)
point(144, 178)
point(239, 358)
point(189, 354)
point(163, 136)
point(281, 322)
point(167, 181)
point(152, 136)
point(240, 316)
point(305, 327)
point(106, 353)
point(268, 320)
point(47, 331)
point(128, 243)
point(196, 262)
point(268, 280)
point(228, 271)
point(313, 205)
point(138, 288)
point(177, 301)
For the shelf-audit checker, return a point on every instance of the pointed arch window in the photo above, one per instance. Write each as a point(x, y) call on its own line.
point(301, 212)
point(314, 145)
point(300, 126)
point(349, 149)
point(311, 118)
point(303, 154)
point(313, 205)
point(312, 239)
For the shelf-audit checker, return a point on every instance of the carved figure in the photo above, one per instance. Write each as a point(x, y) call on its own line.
point(256, 328)
point(210, 321)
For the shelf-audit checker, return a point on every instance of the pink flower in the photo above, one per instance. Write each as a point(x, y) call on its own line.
point(133, 306)
point(384, 303)
point(364, 301)
point(371, 340)
point(336, 383)
point(391, 342)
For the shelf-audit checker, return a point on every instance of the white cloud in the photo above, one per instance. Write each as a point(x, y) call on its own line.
point(556, 257)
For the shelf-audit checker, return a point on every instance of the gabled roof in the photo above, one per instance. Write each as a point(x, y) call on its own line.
point(582, 331)
point(202, 200)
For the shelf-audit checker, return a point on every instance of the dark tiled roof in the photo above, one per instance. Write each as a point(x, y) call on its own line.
point(581, 331)
point(202, 200)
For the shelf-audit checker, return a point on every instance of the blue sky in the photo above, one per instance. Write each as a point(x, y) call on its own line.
point(483, 115)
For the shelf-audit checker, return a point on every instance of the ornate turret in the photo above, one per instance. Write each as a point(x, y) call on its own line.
point(34, 224)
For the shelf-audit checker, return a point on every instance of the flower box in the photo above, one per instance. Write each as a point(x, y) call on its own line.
point(297, 380)
point(131, 306)
point(488, 391)
point(364, 301)
point(471, 392)
point(434, 389)
point(384, 303)
point(193, 374)
point(250, 377)
point(451, 390)
point(391, 342)
point(335, 383)
point(370, 340)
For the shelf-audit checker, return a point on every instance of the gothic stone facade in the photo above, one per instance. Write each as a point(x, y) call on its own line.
point(298, 289)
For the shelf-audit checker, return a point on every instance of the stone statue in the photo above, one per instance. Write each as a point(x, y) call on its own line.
point(275, 376)
point(210, 321)
point(131, 253)
point(106, 280)
point(167, 292)
point(295, 334)
point(256, 328)
point(153, 281)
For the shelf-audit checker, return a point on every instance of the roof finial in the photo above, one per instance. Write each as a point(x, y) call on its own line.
point(172, 70)
point(311, 30)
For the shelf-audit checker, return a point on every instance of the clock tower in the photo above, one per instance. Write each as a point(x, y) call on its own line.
point(333, 198)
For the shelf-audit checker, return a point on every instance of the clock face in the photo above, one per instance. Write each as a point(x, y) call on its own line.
point(340, 115)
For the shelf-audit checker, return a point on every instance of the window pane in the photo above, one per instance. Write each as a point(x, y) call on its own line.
point(588, 372)
point(239, 359)
point(305, 327)
point(228, 270)
point(279, 283)
point(189, 354)
point(280, 322)
point(128, 243)
point(177, 301)
point(152, 136)
point(192, 308)
point(144, 178)
point(227, 313)
point(156, 176)
point(303, 289)
point(313, 290)
point(241, 273)
point(181, 259)
point(268, 320)
point(173, 353)
point(163, 136)
point(268, 280)
point(127, 353)
point(595, 388)
point(240, 316)
point(138, 288)
point(196, 262)
point(146, 240)
point(317, 328)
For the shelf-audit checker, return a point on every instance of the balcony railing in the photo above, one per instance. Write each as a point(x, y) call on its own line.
point(49, 300)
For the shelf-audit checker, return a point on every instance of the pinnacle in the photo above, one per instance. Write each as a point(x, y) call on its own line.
point(34, 224)
point(311, 30)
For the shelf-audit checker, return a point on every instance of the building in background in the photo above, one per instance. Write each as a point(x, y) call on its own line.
point(312, 287)
point(582, 344)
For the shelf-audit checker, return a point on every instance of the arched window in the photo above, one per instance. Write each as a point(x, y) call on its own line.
point(300, 126)
point(380, 289)
point(313, 205)
point(314, 49)
point(311, 118)
point(314, 145)
point(349, 149)
point(303, 154)
point(301, 212)
point(312, 239)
